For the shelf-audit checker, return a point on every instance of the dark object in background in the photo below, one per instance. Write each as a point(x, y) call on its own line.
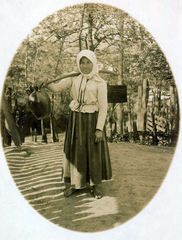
point(11, 125)
point(116, 93)
point(39, 103)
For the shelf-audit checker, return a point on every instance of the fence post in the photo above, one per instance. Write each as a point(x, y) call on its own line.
point(174, 114)
point(143, 93)
point(139, 115)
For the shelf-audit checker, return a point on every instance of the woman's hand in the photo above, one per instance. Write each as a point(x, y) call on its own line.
point(98, 135)
point(42, 84)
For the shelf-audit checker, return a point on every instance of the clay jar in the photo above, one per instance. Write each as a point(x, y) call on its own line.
point(39, 103)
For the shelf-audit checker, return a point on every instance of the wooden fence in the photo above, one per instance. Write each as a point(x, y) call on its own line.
point(157, 116)
point(158, 122)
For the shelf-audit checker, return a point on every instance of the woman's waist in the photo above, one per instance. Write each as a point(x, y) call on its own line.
point(89, 107)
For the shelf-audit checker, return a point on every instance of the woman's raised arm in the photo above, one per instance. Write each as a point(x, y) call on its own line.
point(62, 85)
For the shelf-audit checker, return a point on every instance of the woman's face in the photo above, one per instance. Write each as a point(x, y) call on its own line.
point(86, 65)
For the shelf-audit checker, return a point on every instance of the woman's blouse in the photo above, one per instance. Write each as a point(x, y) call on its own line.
point(93, 99)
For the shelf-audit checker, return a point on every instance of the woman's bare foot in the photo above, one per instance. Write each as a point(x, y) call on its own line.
point(69, 191)
point(96, 192)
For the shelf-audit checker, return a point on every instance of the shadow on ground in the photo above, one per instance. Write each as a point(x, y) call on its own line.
point(138, 173)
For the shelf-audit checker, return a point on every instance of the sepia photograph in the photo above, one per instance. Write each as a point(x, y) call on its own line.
point(90, 120)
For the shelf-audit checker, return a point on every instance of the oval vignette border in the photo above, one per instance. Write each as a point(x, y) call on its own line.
point(157, 42)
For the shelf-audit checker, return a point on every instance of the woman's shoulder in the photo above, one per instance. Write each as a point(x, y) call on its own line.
point(99, 80)
point(76, 79)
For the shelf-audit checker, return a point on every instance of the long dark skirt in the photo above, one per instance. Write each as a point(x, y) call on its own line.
point(85, 161)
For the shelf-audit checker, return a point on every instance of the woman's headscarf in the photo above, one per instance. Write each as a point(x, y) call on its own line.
point(83, 78)
point(94, 73)
point(90, 56)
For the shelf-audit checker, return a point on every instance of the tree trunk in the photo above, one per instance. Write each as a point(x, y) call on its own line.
point(81, 27)
point(159, 100)
point(89, 8)
point(11, 122)
point(139, 114)
point(153, 121)
point(144, 102)
point(26, 63)
point(44, 135)
point(142, 106)
point(59, 58)
point(130, 127)
point(35, 63)
point(5, 136)
point(120, 76)
point(54, 137)
point(51, 119)
point(174, 114)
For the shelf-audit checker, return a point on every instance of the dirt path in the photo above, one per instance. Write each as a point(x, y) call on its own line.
point(138, 172)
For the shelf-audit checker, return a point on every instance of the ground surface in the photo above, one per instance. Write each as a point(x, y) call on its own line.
point(138, 172)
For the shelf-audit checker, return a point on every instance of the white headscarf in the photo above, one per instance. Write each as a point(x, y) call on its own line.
point(90, 56)
point(82, 78)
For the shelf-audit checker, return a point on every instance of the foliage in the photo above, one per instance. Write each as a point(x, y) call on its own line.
point(50, 50)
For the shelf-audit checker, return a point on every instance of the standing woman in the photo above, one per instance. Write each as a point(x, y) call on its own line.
point(86, 151)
